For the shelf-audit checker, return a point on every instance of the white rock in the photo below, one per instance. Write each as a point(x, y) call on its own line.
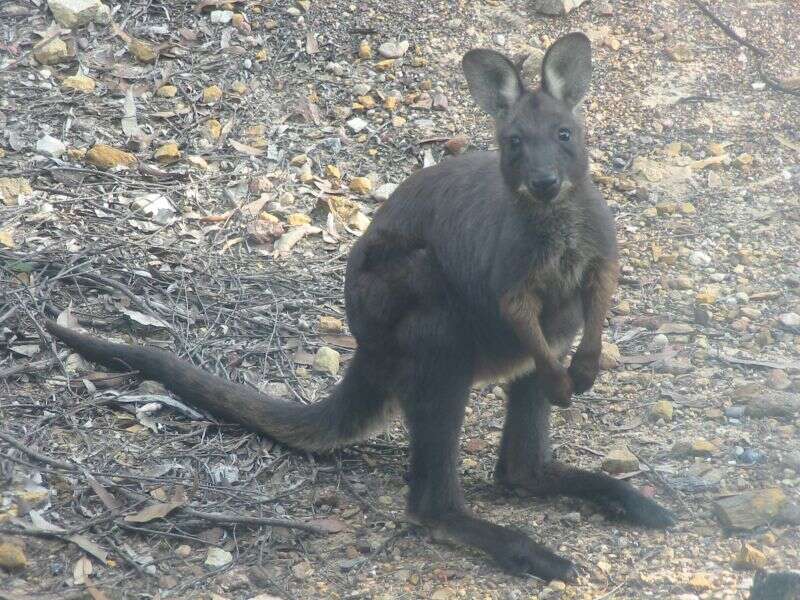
point(74, 13)
point(659, 342)
point(557, 7)
point(326, 360)
point(217, 557)
point(383, 192)
point(699, 258)
point(393, 49)
point(221, 16)
point(790, 319)
point(50, 146)
point(357, 124)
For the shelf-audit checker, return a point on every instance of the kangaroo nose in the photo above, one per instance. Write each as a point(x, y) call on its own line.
point(543, 184)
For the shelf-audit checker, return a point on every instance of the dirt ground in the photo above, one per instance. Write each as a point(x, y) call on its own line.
point(111, 489)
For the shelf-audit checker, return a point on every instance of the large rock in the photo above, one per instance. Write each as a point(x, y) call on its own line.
point(75, 13)
point(557, 7)
point(620, 460)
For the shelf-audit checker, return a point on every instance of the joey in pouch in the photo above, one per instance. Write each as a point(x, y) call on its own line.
point(483, 267)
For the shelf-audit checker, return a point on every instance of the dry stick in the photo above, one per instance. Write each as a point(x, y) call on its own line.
point(222, 518)
point(32, 366)
point(759, 52)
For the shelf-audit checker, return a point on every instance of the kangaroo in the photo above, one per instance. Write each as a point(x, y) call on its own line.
point(483, 267)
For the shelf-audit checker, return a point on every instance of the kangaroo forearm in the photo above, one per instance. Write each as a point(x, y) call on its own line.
point(596, 293)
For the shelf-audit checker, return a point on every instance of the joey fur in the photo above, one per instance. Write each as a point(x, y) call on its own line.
point(483, 267)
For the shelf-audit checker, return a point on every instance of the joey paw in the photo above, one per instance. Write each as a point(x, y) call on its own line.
point(557, 387)
point(583, 371)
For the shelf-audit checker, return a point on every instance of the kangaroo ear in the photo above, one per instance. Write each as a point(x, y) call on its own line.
point(494, 81)
point(567, 68)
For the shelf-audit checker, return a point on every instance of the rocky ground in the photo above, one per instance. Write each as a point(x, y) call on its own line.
point(192, 174)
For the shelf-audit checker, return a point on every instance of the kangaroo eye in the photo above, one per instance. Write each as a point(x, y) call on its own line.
point(515, 142)
point(564, 134)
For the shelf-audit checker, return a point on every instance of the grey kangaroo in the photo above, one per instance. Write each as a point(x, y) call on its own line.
point(483, 267)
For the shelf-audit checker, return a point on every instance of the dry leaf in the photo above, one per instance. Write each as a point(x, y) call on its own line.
point(143, 319)
point(81, 571)
point(312, 46)
point(245, 149)
point(67, 319)
point(288, 240)
point(7, 237)
point(130, 126)
point(159, 510)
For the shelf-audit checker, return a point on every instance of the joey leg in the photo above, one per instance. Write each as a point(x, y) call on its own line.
point(434, 411)
point(526, 463)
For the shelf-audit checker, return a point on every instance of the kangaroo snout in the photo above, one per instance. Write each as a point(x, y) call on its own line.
point(544, 186)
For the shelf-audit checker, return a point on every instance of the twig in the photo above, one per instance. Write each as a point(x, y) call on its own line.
point(231, 519)
point(32, 366)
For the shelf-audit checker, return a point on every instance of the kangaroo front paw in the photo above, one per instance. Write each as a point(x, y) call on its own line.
point(583, 371)
point(557, 387)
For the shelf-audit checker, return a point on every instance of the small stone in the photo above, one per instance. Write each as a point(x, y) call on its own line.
point(699, 259)
point(696, 447)
point(398, 122)
point(661, 410)
point(11, 188)
point(108, 157)
point(439, 102)
point(700, 582)
point(393, 49)
point(359, 221)
point(749, 557)
point(391, 103)
point(333, 172)
point(364, 50)
point(659, 342)
point(221, 17)
point(557, 585)
point(610, 356)
point(79, 83)
point(716, 149)
point(326, 360)
point(51, 53)
point(360, 185)
point(50, 146)
point(790, 320)
point(687, 208)
point(357, 124)
point(217, 557)
point(778, 380)
point(620, 460)
point(382, 193)
point(143, 51)
point(384, 65)
point(277, 389)
point(708, 295)
point(299, 160)
point(366, 102)
point(239, 88)
point(751, 509)
point(297, 219)
point(557, 7)
point(681, 53)
point(12, 557)
point(302, 570)
point(744, 160)
point(262, 55)
point(605, 9)
point(184, 551)
point(213, 129)
point(212, 94)
point(456, 145)
point(330, 324)
point(167, 153)
point(75, 13)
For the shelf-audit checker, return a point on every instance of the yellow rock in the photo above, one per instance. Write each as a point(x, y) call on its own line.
point(167, 153)
point(360, 185)
point(749, 558)
point(702, 447)
point(167, 91)
point(52, 52)
point(298, 219)
point(299, 160)
point(610, 356)
point(661, 410)
point(364, 51)
point(268, 217)
point(716, 149)
point(212, 94)
point(673, 149)
point(384, 65)
point(700, 582)
point(79, 83)
point(398, 122)
point(76, 153)
point(143, 51)
point(108, 157)
point(359, 221)
point(687, 208)
point(7, 238)
point(666, 208)
point(368, 102)
point(11, 188)
point(213, 129)
point(333, 172)
point(744, 160)
point(262, 55)
point(391, 103)
point(12, 557)
point(620, 460)
point(330, 324)
point(239, 87)
point(708, 295)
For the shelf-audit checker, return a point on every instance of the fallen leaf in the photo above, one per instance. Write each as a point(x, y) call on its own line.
point(81, 571)
point(143, 319)
point(288, 240)
point(245, 149)
point(158, 510)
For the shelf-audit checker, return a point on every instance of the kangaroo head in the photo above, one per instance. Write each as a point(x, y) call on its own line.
point(540, 137)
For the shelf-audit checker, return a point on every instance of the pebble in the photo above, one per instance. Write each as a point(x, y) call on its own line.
point(326, 360)
point(79, 83)
point(393, 49)
point(221, 16)
point(12, 557)
point(360, 185)
point(659, 342)
point(357, 124)
point(620, 460)
point(76, 13)
point(382, 192)
point(735, 412)
point(217, 557)
point(661, 410)
point(789, 320)
point(184, 551)
point(699, 259)
point(50, 146)
point(778, 380)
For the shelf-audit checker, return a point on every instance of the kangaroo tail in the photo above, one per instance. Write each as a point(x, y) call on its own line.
point(352, 410)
